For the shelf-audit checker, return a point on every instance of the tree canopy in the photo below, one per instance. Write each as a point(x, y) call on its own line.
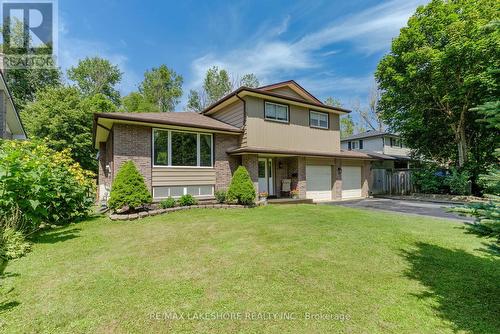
point(217, 84)
point(62, 117)
point(162, 87)
point(440, 67)
point(97, 76)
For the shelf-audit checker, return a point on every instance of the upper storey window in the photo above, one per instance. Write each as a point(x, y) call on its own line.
point(318, 119)
point(276, 112)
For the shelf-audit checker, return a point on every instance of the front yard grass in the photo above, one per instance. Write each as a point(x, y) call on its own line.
point(356, 271)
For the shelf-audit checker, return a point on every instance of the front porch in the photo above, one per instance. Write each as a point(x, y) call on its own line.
point(318, 179)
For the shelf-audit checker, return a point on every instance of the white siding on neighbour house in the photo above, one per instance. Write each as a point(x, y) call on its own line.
point(395, 150)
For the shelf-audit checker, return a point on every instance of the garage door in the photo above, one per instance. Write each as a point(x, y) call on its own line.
point(319, 182)
point(351, 182)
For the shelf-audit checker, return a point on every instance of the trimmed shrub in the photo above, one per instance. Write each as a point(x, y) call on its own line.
point(129, 189)
point(220, 196)
point(458, 181)
point(47, 187)
point(241, 188)
point(187, 200)
point(167, 203)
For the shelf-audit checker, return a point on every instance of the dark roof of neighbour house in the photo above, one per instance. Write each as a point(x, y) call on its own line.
point(341, 154)
point(368, 134)
point(271, 94)
point(187, 119)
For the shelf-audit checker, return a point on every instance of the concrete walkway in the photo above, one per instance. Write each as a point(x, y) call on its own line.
point(430, 209)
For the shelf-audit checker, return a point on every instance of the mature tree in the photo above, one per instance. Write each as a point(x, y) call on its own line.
point(346, 126)
point(136, 102)
point(216, 85)
point(438, 68)
point(25, 82)
point(346, 121)
point(249, 80)
point(196, 102)
point(96, 76)
point(62, 116)
point(162, 86)
point(332, 101)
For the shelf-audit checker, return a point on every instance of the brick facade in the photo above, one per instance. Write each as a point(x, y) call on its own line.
point(301, 171)
point(224, 164)
point(251, 163)
point(337, 180)
point(132, 142)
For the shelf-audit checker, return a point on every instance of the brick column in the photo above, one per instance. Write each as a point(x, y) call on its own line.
point(133, 142)
point(224, 164)
point(337, 184)
point(301, 171)
point(366, 175)
point(251, 163)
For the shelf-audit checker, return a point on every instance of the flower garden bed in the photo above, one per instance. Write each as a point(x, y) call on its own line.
point(154, 212)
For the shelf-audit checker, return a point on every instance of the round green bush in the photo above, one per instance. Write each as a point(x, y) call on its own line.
point(187, 200)
point(241, 188)
point(128, 189)
point(167, 203)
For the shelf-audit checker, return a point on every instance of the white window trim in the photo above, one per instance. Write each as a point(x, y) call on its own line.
point(169, 149)
point(184, 191)
point(275, 119)
point(311, 112)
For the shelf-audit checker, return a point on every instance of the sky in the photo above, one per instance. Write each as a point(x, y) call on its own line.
point(331, 48)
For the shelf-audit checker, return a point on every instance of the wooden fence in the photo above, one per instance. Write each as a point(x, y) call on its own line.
point(391, 182)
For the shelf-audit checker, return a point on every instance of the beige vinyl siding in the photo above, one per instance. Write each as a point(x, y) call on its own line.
point(296, 135)
point(181, 176)
point(233, 114)
point(286, 91)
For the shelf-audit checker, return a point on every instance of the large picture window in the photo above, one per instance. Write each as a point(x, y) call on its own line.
point(182, 148)
point(276, 112)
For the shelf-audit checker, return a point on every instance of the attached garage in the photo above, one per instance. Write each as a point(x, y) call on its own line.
point(351, 182)
point(319, 182)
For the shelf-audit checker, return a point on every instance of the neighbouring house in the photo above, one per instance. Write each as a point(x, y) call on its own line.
point(285, 137)
point(11, 126)
point(391, 172)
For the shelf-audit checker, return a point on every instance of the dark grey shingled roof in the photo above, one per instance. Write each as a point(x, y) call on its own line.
point(368, 134)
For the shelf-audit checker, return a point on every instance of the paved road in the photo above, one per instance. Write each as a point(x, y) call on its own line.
point(404, 206)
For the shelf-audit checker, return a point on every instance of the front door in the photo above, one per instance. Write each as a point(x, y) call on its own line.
point(266, 182)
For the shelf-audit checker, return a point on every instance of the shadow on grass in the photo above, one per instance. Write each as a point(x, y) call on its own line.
point(465, 287)
point(61, 233)
point(57, 235)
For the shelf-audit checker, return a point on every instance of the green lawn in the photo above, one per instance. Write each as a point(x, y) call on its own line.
point(381, 272)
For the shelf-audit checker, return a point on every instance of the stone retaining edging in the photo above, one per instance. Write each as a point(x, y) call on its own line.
point(133, 216)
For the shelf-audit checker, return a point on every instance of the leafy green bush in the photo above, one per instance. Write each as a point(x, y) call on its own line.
point(187, 200)
point(47, 187)
point(13, 244)
point(167, 203)
point(427, 180)
point(241, 188)
point(458, 181)
point(220, 196)
point(129, 189)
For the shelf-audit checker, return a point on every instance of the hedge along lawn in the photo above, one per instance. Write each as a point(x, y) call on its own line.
point(380, 272)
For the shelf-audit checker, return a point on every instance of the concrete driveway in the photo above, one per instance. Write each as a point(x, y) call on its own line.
point(430, 209)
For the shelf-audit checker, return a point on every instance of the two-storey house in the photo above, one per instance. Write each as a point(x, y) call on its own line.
point(385, 145)
point(285, 137)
